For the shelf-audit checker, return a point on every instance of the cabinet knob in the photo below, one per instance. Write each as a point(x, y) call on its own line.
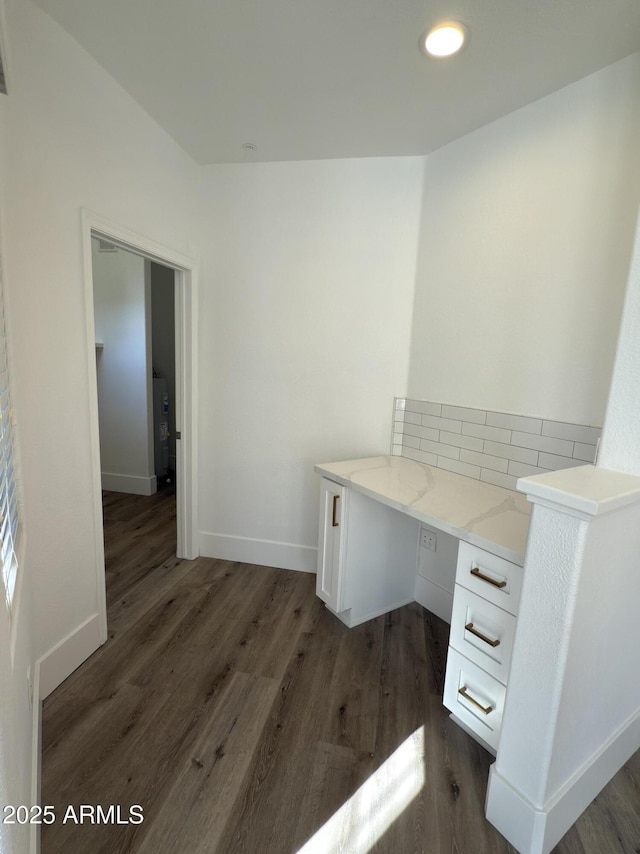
point(334, 521)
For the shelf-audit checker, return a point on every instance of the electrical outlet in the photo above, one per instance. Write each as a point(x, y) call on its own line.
point(428, 539)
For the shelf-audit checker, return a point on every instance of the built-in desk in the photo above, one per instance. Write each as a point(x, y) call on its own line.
point(485, 515)
point(394, 531)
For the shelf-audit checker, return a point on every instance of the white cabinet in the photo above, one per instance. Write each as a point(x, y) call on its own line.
point(330, 544)
point(367, 555)
point(483, 624)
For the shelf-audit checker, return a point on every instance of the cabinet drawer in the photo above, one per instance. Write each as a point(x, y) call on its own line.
point(482, 632)
point(474, 697)
point(490, 576)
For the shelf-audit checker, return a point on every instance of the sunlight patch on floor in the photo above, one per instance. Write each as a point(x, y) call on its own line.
point(367, 815)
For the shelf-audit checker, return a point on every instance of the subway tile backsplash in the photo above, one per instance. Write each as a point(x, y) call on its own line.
point(496, 447)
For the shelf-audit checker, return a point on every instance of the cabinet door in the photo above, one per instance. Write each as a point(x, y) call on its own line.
point(329, 581)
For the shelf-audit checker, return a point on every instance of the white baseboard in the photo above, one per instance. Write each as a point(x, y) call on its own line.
point(537, 831)
point(434, 598)
point(54, 666)
point(261, 552)
point(48, 672)
point(129, 483)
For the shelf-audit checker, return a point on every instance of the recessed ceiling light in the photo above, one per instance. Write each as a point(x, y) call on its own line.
point(443, 40)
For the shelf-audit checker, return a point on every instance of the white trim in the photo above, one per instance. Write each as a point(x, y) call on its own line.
point(4, 47)
point(536, 831)
point(98, 541)
point(148, 339)
point(62, 659)
point(36, 757)
point(261, 552)
point(186, 413)
point(129, 483)
point(516, 819)
point(186, 331)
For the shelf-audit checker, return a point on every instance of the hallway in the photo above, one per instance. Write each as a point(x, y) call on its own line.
point(241, 716)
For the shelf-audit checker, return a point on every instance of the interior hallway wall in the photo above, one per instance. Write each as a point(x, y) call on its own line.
point(305, 323)
point(620, 450)
point(122, 313)
point(526, 238)
point(71, 140)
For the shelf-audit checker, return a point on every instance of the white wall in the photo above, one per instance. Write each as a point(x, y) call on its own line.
point(620, 448)
point(16, 633)
point(71, 139)
point(15, 720)
point(308, 272)
point(122, 311)
point(526, 234)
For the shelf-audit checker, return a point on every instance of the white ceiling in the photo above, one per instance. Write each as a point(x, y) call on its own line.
point(309, 79)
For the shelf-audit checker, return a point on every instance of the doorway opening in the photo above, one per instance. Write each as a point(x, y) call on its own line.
point(160, 440)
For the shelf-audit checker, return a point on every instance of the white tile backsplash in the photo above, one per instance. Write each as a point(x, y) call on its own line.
point(463, 413)
point(411, 441)
point(584, 452)
point(460, 441)
point(442, 423)
point(514, 422)
point(572, 432)
point(459, 468)
point(511, 452)
point(553, 462)
point(495, 447)
point(523, 470)
point(543, 443)
point(412, 417)
point(421, 432)
point(440, 449)
point(507, 481)
point(420, 456)
point(484, 460)
point(424, 407)
point(495, 434)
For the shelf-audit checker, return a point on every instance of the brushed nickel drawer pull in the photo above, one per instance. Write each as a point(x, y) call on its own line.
point(484, 709)
point(334, 521)
point(471, 628)
point(475, 571)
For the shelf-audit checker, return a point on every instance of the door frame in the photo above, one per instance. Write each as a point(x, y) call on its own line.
point(186, 326)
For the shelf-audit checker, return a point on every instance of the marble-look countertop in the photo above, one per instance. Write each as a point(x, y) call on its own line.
point(488, 516)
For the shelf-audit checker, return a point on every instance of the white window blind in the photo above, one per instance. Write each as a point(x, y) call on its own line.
point(9, 507)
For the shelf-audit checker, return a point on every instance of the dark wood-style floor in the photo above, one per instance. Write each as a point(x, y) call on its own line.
point(242, 716)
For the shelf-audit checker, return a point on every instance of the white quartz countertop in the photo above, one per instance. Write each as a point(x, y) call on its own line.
point(488, 516)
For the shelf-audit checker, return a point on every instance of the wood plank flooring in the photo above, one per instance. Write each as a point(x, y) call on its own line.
point(244, 717)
